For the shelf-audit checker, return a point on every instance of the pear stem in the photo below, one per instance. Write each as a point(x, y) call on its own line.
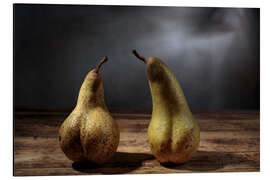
point(102, 61)
point(138, 56)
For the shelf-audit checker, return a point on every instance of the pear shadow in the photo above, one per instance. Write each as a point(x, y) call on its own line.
point(207, 161)
point(121, 163)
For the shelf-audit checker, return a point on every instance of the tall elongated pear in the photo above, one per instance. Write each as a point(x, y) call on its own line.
point(90, 132)
point(173, 133)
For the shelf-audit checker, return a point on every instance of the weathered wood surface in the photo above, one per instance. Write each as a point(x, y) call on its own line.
point(230, 142)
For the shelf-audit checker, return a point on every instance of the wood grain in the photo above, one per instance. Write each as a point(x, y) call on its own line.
point(230, 142)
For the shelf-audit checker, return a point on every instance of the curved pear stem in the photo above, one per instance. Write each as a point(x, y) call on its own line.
point(138, 56)
point(102, 61)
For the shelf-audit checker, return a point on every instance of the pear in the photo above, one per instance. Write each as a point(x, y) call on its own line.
point(173, 133)
point(90, 132)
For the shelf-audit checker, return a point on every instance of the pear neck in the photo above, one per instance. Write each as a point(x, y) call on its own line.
point(167, 94)
point(91, 94)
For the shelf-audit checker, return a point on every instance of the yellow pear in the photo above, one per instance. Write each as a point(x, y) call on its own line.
point(90, 132)
point(173, 133)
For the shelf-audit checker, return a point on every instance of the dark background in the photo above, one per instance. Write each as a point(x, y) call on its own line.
point(214, 53)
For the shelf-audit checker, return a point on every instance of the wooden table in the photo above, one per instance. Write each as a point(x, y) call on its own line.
point(230, 142)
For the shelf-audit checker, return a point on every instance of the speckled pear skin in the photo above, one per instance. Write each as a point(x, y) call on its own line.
point(90, 132)
point(173, 133)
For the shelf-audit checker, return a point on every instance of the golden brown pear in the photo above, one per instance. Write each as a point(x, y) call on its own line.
point(173, 133)
point(90, 132)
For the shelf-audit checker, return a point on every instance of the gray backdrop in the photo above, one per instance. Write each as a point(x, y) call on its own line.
point(214, 53)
